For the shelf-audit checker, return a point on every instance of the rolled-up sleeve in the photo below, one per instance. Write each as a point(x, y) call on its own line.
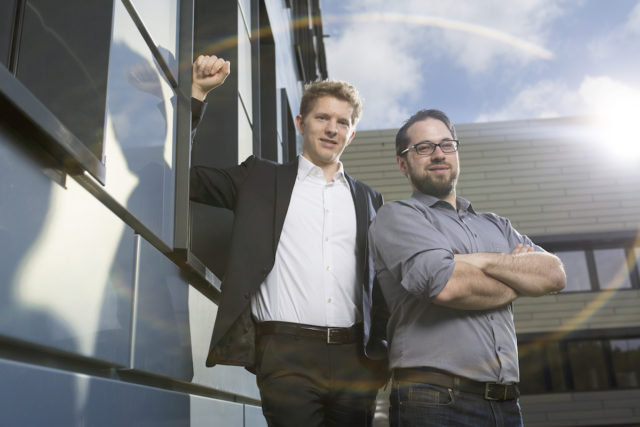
point(411, 250)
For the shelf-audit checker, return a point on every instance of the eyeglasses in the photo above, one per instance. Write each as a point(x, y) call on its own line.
point(427, 148)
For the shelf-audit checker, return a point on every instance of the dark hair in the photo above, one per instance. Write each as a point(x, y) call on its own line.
point(402, 139)
point(335, 88)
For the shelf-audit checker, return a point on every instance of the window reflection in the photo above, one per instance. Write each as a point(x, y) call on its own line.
point(70, 46)
point(625, 356)
point(588, 368)
point(140, 138)
point(611, 265)
point(575, 266)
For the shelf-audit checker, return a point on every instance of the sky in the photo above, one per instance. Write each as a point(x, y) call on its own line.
point(489, 60)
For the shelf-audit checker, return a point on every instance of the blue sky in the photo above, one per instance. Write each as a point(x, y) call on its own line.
point(486, 60)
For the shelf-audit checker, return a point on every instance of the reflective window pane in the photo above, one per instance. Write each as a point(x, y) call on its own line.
point(140, 130)
point(625, 355)
point(532, 368)
point(7, 16)
point(611, 265)
point(588, 367)
point(553, 355)
point(575, 266)
point(70, 47)
point(160, 18)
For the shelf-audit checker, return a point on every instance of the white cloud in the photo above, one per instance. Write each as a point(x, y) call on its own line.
point(388, 58)
point(602, 96)
point(622, 39)
point(384, 72)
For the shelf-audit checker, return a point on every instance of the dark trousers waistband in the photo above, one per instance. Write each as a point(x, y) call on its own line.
point(330, 335)
point(490, 391)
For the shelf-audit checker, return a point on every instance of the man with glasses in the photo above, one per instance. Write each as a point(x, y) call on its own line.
point(449, 276)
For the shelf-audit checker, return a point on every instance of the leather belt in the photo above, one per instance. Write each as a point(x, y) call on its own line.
point(490, 391)
point(327, 334)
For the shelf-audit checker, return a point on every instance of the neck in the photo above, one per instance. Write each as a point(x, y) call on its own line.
point(328, 169)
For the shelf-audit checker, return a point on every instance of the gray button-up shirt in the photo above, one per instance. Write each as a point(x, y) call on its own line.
point(413, 242)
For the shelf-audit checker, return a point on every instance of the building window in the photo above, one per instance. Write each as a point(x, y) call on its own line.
point(579, 365)
point(625, 358)
point(601, 268)
point(575, 266)
point(611, 265)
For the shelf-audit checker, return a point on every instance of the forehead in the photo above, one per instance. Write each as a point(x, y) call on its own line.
point(332, 105)
point(429, 129)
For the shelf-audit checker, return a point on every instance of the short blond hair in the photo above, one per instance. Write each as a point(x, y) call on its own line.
point(336, 88)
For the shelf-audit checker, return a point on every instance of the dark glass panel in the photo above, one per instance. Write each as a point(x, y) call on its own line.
point(7, 17)
point(532, 368)
point(588, 366)
point(63, 59)
point(625, 355)
point(555, 366)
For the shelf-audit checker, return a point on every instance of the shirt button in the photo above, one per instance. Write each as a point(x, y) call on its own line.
point(328, 267)
point(326, 239)
point(499, 348)
point(329, 300)
point(491, 317)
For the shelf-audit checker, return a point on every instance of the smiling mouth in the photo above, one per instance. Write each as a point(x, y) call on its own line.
point(329, 141)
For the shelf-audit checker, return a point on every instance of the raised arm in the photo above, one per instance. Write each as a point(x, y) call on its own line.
point(208, 73)
point(529, 272)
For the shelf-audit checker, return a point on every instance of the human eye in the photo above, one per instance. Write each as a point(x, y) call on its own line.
point(448, 146)
point(425, 147)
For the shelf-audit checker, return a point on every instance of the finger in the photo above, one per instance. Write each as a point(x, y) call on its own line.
point(214, 67)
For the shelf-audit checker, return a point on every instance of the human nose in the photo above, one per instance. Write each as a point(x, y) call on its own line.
point(331, 128)
point(438, 153)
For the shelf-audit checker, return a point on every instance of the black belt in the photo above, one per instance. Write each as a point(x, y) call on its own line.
point(490, 391)
point(329, 335)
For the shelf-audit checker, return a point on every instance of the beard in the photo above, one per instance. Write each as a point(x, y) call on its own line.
point(439, 186)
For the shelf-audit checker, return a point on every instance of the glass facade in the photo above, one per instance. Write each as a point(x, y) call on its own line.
point(600, 268)
point(140, 133)
point(579, 365)
point(63, 60)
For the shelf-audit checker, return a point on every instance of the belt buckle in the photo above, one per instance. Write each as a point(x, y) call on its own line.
point(329, 339)
point(489, 395)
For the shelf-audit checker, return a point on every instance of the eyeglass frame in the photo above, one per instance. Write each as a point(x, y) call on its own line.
point(413, 147)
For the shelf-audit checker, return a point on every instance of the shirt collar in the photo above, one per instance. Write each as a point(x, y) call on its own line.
point(307, 169)
point(431, 201)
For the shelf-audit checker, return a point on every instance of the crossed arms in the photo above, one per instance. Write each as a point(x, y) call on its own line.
point(488, 280)
point(420, 257)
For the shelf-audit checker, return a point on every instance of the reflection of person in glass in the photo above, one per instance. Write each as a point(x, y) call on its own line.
point(449, 276)
point(297, 296)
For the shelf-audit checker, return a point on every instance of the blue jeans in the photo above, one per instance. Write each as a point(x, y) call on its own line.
point(422, 405)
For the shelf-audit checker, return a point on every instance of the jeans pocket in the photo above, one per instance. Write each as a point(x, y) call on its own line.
point(427, 395)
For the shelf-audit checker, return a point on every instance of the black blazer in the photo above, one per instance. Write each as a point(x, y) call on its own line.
point(259, 192)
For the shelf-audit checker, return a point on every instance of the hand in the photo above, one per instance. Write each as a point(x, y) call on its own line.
point(209, 72)
point(522, 249)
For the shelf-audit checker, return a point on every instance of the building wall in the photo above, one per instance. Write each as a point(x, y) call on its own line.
point(561, 182)
point(105, 312)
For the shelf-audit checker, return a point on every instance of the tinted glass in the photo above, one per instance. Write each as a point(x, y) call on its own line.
point(588, 367)
point(63, 59)
point(575, 265)
point(532, 368)
point(625, 355)
point(611, 265)
point(160, 18)
point(140, 130)
point(7, 16)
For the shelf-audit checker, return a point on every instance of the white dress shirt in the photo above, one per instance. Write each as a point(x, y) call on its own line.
point(314, 279)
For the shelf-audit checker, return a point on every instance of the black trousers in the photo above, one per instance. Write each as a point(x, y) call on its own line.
point(305, 382)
